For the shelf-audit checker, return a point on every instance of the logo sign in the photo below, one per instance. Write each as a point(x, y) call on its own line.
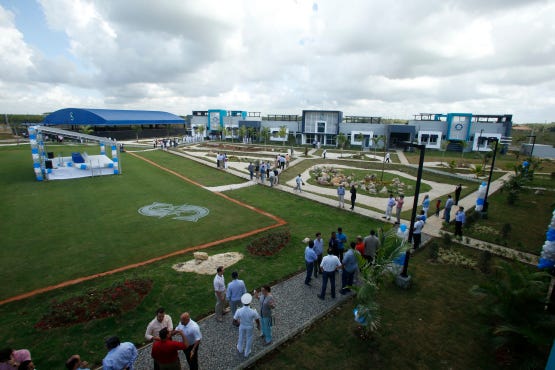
point(184, 212)
point(458, 126)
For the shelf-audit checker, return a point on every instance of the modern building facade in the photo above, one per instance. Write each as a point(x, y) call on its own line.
point(453, 131)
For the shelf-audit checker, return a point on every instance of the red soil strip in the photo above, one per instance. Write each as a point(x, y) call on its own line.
point(279, 222)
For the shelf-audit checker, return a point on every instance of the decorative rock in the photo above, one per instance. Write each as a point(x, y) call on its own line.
point(384, 190)
point(200, 256)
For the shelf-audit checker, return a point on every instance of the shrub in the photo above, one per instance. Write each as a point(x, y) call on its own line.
point(447, 239)
point(269, 244)
point(505, 230)
point(484, 262)
point(433, 250)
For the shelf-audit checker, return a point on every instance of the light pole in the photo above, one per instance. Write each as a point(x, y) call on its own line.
point(533, 143)
point(485, 208)
point(422, 148)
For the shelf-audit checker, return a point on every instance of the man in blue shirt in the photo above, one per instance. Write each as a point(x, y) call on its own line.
point(235, 289)
point(318, 249)
point(120, 355)
point(459, 221)
point(350, 266)
point(309, 258)
point(341, 241)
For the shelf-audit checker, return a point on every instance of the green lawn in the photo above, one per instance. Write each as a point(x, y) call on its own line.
point(60, 230)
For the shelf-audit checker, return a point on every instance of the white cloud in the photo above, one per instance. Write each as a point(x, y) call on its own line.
point(379, 57)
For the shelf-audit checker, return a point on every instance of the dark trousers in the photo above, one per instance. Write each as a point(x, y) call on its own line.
point(353, 203)
point(341, 254)
point(417, 239)
point(317, 267)
point(309, 267)
point(347, 279)
point(325, 276)
point(192, 361)
point(458, 228)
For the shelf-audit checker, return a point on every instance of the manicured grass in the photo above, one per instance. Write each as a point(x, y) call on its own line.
point(528, 218)
point(60, 230)
point(434, 325)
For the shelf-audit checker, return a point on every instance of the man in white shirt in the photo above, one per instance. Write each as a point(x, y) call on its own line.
point(219, 292)
point(191, 331)
point(246, 316)
point(329, 265)
point(319, 250)
point(417, 232)
point(158, 323)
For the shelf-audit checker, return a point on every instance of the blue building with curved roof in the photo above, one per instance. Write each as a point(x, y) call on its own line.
point(110, 117)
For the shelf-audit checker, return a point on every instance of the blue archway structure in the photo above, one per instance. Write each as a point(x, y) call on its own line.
point(110, 117)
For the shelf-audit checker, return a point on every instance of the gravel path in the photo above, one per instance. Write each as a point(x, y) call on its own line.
point(297, 308)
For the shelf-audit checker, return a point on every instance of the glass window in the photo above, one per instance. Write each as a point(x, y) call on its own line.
point(321, 127)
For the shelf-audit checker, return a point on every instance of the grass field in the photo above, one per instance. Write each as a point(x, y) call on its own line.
point(61, 230)
point(433, 325)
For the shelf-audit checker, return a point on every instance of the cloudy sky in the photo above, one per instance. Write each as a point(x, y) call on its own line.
point(384, 58)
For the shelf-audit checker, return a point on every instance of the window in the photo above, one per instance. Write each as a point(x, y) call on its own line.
point(433, 139)
point(321, 127)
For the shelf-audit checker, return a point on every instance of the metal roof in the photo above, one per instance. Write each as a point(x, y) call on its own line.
point(110, 117)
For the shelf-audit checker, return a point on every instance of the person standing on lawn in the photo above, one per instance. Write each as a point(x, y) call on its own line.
point(460, 218)
point(399, 208)
point(353, 196)
point(341, 195)
point(341, 242)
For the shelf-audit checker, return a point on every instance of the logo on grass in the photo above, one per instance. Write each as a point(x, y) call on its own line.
point(184, 212)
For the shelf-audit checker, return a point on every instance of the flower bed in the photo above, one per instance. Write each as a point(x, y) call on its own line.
point(96, 304)
point(269, 244)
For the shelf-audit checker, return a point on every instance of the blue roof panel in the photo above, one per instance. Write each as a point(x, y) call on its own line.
point(109, 117)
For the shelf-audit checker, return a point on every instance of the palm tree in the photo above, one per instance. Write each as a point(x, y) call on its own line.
point(360, 137)
point(372, 277)
point(265, 133)
point(464, 144)
point(282, 133)
point(228, 132)
point(341, 140)
point(201, 129)
point(443, 145)
point(243, 132)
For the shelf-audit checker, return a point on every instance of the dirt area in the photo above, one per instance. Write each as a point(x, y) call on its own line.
point(209, 266)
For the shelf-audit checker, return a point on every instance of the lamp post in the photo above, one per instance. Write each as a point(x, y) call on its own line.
point(485, 208)
point(422, 148)
point(533, 143)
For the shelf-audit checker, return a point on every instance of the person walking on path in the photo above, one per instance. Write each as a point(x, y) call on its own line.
point(426, 204)
point(341, 195)
point(267, 304)
point(458, 191)
point(447, 211)
point(235, 290)
point(309, 258)
point(349, 268)
point(387, 158)
point(299, 182)
point(330, 264)
point(192, 333)
point(219, 292)
point(460, 218)
point(353, 196)
point(389, 207)
point(399, 207)
point(318, 249)
point(247, 317)
point(324, 153)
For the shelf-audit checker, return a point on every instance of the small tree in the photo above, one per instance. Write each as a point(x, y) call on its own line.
point(341, 140)
point(372, 276)
point(243, 132)
point(265, 133)
point(282, 133)
point(137, 129)
point(478, 170)
point(443, 145)
point(464, 144)
point(201, 129)
point(228, 132)
point(360, 137)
